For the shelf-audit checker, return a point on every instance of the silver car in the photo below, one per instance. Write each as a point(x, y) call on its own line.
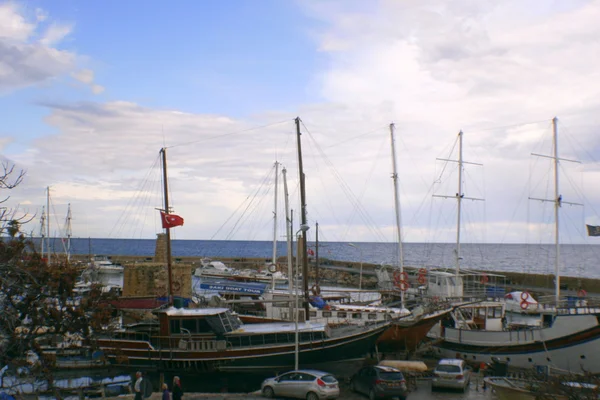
point(302, 384)
point(451, 373)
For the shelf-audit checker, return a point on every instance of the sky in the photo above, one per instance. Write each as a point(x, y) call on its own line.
point(91, 91)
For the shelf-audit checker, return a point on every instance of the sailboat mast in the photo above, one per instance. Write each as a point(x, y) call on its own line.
point(288, 234)
point(459, 197)
point(557, 203)
point(43, 229)
point(48, 223)
point(163, 153)
point(397, 209)
point(317, 254)
point(69, 232)
point(303, 218)
point(274, 257)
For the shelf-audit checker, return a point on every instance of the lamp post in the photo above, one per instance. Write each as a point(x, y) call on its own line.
point(303, 228)
point(361, 268)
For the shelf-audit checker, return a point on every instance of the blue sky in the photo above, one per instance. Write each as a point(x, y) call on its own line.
point(90, 90)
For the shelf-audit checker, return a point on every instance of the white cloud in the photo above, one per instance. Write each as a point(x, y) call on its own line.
point(86, 76)
point(55, 34)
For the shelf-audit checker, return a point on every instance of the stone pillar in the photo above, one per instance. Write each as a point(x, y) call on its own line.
point(160, 251)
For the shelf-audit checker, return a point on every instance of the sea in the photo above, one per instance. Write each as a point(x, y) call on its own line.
point(576, 260)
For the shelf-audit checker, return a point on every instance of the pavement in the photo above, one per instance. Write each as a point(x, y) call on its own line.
point(421, 392)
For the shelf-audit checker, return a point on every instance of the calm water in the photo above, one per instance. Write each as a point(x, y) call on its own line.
point(577, 260)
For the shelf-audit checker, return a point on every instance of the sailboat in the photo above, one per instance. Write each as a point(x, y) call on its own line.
point(567, 339)
point(214, 338)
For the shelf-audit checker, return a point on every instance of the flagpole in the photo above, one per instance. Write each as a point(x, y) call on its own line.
point(163, 152)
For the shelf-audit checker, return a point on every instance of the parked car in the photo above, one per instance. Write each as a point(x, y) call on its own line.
point(379, 382)
point(451, 373)
point(302, 384)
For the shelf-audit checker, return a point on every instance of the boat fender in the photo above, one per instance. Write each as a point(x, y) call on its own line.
point(315, 289)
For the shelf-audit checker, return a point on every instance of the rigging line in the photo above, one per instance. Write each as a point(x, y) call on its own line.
point(446, 163)
point(248, 199)
point(345, 187)
point(132, 200)
point(572, 137)
point(229, 134)
point(475, 130)
point(355, 137)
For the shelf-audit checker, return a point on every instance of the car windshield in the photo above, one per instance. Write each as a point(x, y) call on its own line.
point(328, 379)
point(391, 376)
point(448, 368)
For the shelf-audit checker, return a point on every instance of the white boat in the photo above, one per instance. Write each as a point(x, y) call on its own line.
point(102, 265)
point(214, 269)
point(567, 337)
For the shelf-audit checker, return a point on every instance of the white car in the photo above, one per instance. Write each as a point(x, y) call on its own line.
point(302, 384)
point(451, 373)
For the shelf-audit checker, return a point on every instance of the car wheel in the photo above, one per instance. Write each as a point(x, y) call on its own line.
point(372, 395)
point(312, 396)
point(268, 392)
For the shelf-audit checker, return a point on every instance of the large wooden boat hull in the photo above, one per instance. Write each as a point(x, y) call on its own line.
point(142, 354)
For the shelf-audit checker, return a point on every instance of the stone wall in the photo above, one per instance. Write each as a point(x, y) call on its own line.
point(150, 279)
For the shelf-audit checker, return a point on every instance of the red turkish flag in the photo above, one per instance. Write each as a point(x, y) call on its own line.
point(170, 220)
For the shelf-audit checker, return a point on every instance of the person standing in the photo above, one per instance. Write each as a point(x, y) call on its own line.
point(176, 389)
point(166, 395)
point(137, 388)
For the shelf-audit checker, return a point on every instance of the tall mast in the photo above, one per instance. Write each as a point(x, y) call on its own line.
point(163, 153)
point(48, 223)
point(69, 232)
point(303, 218)
point(459, 197)
point(317, 254)
point(288, 235)
point(397, 209)
point(43, 229)
point(558, 202)
point(274, 257)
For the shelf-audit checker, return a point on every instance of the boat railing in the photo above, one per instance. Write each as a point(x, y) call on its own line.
point(569, 305)
point(203, 345)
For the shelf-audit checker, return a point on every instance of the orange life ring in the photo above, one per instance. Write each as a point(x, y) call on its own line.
point(581, 293)
point(397, 277)
point(524, 296)
point(484, 279)
point(421, 279)
point(404, 285)
point(404, 275)
point(524, 305)
point(422, 271)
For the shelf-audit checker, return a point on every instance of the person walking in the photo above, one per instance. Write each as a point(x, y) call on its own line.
point(137, 388)
point(176, 389)
point(166, 395)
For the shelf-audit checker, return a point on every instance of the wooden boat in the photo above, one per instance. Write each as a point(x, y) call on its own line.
point(208, 339)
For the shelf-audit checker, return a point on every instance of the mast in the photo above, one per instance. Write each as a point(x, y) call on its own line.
point(397, 209)
point(317, 254)
point(163, 153)
point(69, 232)
point(288, 233)
point(303, 218)
point(43, 229)
point(48, 223)
point(459, 196)
point(558, 202)
point(274, 257)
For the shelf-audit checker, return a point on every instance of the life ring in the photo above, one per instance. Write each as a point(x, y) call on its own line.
point(484, 279)
point(404, 276)
point(524, 296)
point(404, 285)
point(176, 286)
point(421, 279)
point(315, 289)
point(422, 271)
point(524, 305)
point(581, 293)
point(397, 277)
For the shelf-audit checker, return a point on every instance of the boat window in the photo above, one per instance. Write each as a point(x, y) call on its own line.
point(342, 314)
point(356, 315)
point(175, 326)
point(190, 325)
point(372, 316)
point(326, 314)
point(282, 338)
point(312, 314)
